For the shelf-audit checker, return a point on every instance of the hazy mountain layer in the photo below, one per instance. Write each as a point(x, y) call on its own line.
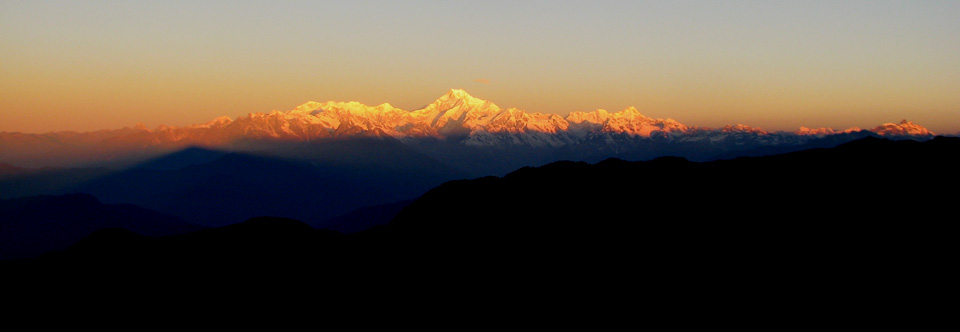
point(214, 188)
point(457, 117)
point(34, 225)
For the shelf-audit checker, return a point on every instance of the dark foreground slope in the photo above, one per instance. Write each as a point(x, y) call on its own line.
point(861, 224)
point(30, 226)
point(869, 206)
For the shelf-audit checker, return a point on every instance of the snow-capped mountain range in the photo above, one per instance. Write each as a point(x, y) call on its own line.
point(457, 114)
point(454, 117)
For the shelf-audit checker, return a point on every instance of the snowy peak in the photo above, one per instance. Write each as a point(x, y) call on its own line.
point(598, 116)
point(458, 114)
point(629, 121)
point(903, 128)
point(456, 94)
point(804, 131)
point(307, 107)
point(457, 97)
point(742, 128)
point(460, 99)
point(385, 107)
point(219, 122)
point(629, 112)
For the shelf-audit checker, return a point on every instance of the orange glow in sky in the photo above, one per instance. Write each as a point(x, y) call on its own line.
point(70, 65)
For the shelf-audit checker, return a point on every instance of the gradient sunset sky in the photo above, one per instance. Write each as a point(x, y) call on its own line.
point(778, 65)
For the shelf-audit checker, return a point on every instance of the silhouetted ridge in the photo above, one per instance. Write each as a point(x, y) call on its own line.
point(33, 225)
point(309, 182)
point(183, 158)
point(792, 229)
point(823, 193)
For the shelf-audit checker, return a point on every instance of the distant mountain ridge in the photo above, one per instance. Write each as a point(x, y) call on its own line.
point(323, 160)
point(456, 113)
point(455, 116)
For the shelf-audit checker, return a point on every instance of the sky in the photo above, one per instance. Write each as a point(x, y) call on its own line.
point(777, 65)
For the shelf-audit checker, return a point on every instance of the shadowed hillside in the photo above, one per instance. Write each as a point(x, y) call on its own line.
point(34, 225)
point(872, 201)
point(310, 182)
point(855, 229)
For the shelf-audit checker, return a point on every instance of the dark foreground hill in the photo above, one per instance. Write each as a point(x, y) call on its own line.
point(866, 223)
point(867, 208)
point(31, 226)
